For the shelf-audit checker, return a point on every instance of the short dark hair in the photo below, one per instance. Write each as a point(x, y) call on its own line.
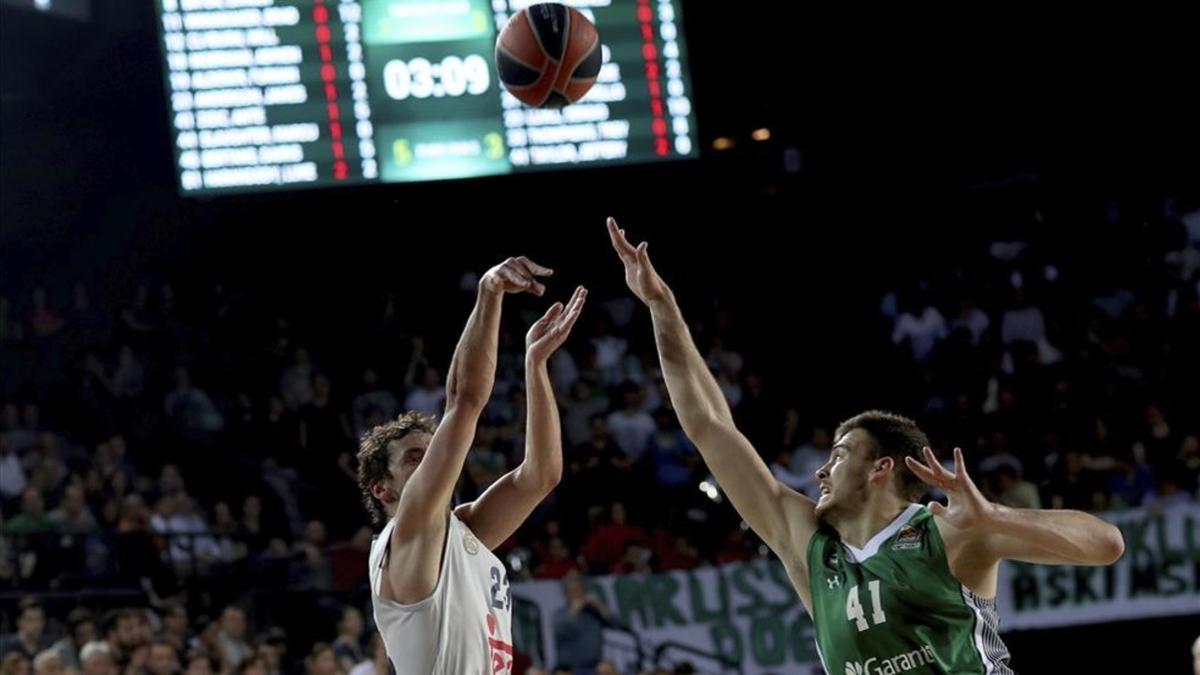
point(79, 616)
point(27, 603)
point(108, 622)
point(273, 636)
point(894, 436)
point(373, 456)
point(199, 656)
point(249, 663)
point(318, 649)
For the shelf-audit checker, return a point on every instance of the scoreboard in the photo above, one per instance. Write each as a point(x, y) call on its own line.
point(269, 94)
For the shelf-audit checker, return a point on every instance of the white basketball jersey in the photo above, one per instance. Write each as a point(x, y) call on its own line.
point(464, 627)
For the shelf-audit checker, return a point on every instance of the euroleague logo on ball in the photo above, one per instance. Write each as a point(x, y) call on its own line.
point(548, 55)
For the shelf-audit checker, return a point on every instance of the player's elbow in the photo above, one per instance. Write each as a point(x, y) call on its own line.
point(540, 480)
point(1112, 545)
point(549, 480)
point(467, 395)
point(700, 424)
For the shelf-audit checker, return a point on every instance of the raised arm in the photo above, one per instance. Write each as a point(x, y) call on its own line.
point(778, 514)
point(502, 508)
point(979, 533)
point(426, 497)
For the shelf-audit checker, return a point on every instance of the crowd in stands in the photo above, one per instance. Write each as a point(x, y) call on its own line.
point(186, 447)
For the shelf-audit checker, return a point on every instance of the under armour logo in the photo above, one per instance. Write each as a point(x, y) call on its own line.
point(834, 582)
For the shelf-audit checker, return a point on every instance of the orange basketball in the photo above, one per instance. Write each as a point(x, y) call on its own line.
point(548, 55)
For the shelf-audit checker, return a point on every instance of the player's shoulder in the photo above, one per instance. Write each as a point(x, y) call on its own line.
point(954, 540)
point(802, 526)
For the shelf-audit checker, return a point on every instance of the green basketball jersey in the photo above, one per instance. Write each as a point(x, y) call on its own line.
point(893, 607)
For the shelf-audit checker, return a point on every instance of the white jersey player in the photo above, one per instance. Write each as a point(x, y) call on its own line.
point(441, 597)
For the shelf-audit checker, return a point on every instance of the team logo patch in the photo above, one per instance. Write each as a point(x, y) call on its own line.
point(909, 539)
point(470, 543)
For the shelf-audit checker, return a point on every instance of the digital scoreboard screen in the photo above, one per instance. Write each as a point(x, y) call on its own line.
point(288, 93)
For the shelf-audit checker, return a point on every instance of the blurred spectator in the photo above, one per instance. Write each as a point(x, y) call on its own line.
point(1008, 488)
point(175, 625)
point(272, 647)
point(32, 518)
point(631, 427)
point(1024, 322)
point(348, 645)
point(1129, 485)
point(485, 463)
point(198, 663)
point(781, 468)
point(374, 397)
point(429, 396)
point(579, 627)
point(48, 662)
point(322, 661)
point(255, 665)
point(296, 382)
point(129, 377)
point(311, 567)
point(120, 633)
point(98, 659)
point(737, 547)
point(81, 629)
point(377, 663)
point(609, 350)
point(557, 563)
point(73, 515)
point(584, 403)
point(970, 321)
point(922, 326)
point(163, 659)
point(681, 554)
point(12, 472)
point(1169, 492)
point(608, 542)
point(809, 457)
point(14, 663)
point(758, 416)
point(30, 638)
point(189, 409)
point(232, 636)
point(21, 434)
point(44, 320)
point(1072, 486)
point(322, 427)
point(675, 458)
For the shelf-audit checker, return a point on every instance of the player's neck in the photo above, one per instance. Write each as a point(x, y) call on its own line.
point(878, 513)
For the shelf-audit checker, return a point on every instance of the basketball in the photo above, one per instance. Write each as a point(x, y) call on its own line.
point(548, 55)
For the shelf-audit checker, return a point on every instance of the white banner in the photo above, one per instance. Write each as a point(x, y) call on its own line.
point(1159, 575)
point(748, 613)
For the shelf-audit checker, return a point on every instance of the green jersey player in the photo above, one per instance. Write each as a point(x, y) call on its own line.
point(892, 586)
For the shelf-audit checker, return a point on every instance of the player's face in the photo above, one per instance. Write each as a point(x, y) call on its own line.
point(844, 477)
point(405, 455)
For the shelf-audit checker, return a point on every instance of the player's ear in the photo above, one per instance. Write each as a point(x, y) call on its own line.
point(883, 465)
point(381, 491)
